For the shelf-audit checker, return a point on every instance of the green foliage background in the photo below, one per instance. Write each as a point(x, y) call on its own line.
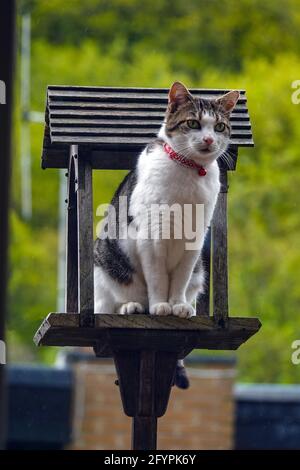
point(207, 43)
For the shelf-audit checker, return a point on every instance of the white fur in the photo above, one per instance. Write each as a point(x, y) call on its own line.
point(163, 282)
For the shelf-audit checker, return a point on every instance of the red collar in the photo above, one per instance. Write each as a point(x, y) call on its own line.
point(187, 162)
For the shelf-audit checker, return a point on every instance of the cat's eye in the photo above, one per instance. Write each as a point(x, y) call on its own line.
point(193, 124)
point(220, 127)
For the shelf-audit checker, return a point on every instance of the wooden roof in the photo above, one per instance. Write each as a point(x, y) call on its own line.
point(116, 123)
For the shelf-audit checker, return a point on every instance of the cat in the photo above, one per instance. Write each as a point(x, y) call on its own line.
point(142, 273)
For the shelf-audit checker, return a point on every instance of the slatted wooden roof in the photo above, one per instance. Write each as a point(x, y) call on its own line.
point(114, 124)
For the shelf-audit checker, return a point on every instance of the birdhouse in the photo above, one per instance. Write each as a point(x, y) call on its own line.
point(90, 128)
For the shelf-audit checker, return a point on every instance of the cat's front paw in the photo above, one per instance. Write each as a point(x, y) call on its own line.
point(161, 309)
point(130, 308)
point(183, 310)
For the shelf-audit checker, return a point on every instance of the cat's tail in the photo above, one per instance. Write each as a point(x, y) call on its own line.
point(181, 378)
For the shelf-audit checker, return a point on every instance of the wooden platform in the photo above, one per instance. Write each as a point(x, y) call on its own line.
point(136, 332)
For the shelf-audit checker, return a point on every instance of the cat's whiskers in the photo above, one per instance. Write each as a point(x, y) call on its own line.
point(227, 159)
point(185, 151)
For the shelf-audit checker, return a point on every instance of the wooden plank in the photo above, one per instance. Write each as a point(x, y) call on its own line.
point(143, 102)
point(128, 94)
point(143, 321)
point(85, 239)
point(118, 140)
point(75, 88)
point(62, 329)
point(123, 105)
point(108, 158)
point(102, 159)
point(128, 131)
point(111, 159)
point(90, 131)
point(119, 112)
point(128, 91)
point(81, 122)
point(86, 122)
point(219, 255)
point(72, 241)
point(140, 321)
point(137, 105)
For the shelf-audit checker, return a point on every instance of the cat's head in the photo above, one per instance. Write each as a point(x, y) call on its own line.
point(198, 128)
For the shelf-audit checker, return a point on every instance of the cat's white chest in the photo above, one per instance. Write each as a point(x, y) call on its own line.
point(188, 197)
point(162, 181)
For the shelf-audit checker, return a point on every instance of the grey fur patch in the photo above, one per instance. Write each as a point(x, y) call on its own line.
point(198, 265)
point(107, 251)
point(109, 255)
point(153, 144)
point(181, 379)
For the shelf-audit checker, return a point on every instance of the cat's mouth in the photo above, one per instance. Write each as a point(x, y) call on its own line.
point(205, 149)
point(206, 152)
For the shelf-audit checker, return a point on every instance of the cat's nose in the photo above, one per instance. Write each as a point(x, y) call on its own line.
point(208, 140)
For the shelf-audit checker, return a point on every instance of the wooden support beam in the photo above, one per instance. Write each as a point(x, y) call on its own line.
point(72, 241)
point(145, 378)
point(84, 190)
point(144, 433)
point(144, 428)
point(219, 255)
point(7, 56)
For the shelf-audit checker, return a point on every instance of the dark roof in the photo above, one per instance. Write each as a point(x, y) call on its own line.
point(117, 119)
point(40, 407)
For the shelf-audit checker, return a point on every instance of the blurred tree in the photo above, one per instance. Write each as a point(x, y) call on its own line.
point(192, 34)
point(246, 44)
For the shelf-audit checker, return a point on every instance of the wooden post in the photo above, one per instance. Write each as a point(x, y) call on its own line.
point(145, 378)
point(219, 248)
point(7, 55)
point(80, 255)
point(72, 242)
point(144, 433)
point(84, 191)
point(144, 429)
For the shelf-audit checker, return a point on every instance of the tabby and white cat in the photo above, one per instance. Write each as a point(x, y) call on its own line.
point(137, 274)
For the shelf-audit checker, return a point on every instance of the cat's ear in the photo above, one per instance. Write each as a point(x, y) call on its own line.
point(178, 95)
point(229, 101)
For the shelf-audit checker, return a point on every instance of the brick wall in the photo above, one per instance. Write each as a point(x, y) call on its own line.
point(198, 418)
